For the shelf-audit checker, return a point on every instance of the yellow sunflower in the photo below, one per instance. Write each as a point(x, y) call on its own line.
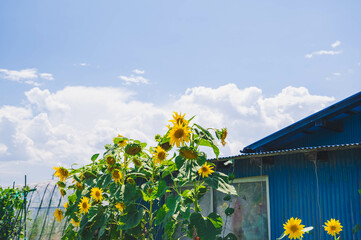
point(120, 206)
point(61, 172)
point(205, 170)
point(188, 153)
point(333, 227)
point(121, 143)
point(66, 205)
point(179, 135)
point(96, 194)
point(293, 228)
point(110, 159)
point(84, 205)
point(62, 192)
point(224, 135)
point(74, 223)
point(58, 214)
point(178, 119)
point(117, 175)
point(159, 155)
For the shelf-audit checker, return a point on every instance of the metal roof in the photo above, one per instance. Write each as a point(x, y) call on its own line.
point(327, 118)
point(292, 151)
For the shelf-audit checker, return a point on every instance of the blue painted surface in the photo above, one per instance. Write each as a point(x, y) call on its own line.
point(294, 193)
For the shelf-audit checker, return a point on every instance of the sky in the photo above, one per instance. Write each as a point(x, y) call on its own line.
point(74, 74)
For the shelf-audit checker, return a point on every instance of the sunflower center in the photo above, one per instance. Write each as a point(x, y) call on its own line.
point(204, 169)
point(161, 155)
point(116, 174)
point(294, 228)
point(189, 154)
point(97, 194)
point(85, 205)
point(333, 228)
point(179, 133)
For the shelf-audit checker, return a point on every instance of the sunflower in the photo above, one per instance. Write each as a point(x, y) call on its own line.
point(120, 206)
point(110, 159)
point(79, 185)
point(223, 136)
point(178, 119)
point(188, 153)
point(166, 146)
point(66, 205)
point(58, 214)
point(130, 180)
point(333, 227)
point(84, 205)
point(121, 143)
point(74, 223)
point(179, 134)
point(137, 162)
point(96, 194)
point(133, 149)
point(61, 172)
point(205, 170)
point(117, 175)
point(159, 155)
point(293, 228)
point(62, 192)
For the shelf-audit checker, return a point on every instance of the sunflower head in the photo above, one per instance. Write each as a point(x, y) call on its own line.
point(116, 175)
point(58, 214)
point(133, 149)
point(84, 205)
point(110, 159)
point(166, 146)
point(293, 228)
point(159, 155)
point(62, 192)
point(66, 205)
point(178, 119)
point(137, 162)
point(223, 136)
point(120, 143)
point(333, 227)
point(188, 153)
point(120, 206)
point(79, 186)
point(179, 135)
point(61, 172)
point(96, 194)
point(205, 170)
point(130, 180)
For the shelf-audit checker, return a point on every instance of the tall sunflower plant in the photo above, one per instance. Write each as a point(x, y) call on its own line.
point(137, 192)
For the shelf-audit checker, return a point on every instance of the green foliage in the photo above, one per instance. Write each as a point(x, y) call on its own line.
point(11, 203)
point(143, 189)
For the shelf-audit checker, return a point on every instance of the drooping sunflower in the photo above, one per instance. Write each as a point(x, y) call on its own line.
point(121, 143)
point(84, 205)
point(130, 180)
point(293, 228)
point(205, 170)
point(74, 223)
point(166, 146)
point(58, 214)
point(96, 194)
point(117, 175)
point(178, 119)
point(333, 227)
point(110, 159)
point(66, 205)
point(179, 134)
point(62, 192)
point(137, 162)
point(188, 153)
point(120, 206)
point(61, 172)
point(223, 136)
point(133, 149)
point(159, 155)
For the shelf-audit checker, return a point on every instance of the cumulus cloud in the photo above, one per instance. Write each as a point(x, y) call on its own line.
point(28, 76)
point(336, 44)
point(69, 125)
point(137, 71)
point(322, 52)
point(134, 79)
point(3, 149)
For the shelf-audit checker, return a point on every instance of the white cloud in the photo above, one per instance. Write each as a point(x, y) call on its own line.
point(336, 44)
point(47, 76)
point(336, 74)
point(137, 71)
point(28, 76)
point(83, 64)
point(134, 79)
point(3, 149)
point(323, 52)
point(67, 126)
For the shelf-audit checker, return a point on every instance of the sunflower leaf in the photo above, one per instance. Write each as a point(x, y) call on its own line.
point(219, 181)
point(94, 157)
point(207, 143)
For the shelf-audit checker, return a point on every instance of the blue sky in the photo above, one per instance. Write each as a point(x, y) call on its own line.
point(270, 62)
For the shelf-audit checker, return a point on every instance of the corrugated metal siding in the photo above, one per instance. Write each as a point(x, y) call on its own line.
point(351, 134)
point(293, 190)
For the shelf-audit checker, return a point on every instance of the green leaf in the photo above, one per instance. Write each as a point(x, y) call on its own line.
point(209, 143)
point(179, 161)
point(207, 228)
point(230, 236)
point(94, 157)
point(227, 197)
point(219, 181)
point(229, 211)
point(130, 218)
point(356, 229)
point(206, 132)
point(107, 180)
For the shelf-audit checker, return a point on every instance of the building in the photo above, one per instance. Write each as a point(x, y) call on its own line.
point(310, 170)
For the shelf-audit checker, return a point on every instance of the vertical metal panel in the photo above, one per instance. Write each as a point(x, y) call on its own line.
point(294, 191)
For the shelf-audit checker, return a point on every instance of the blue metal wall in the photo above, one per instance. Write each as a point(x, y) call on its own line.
point(294, 192)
